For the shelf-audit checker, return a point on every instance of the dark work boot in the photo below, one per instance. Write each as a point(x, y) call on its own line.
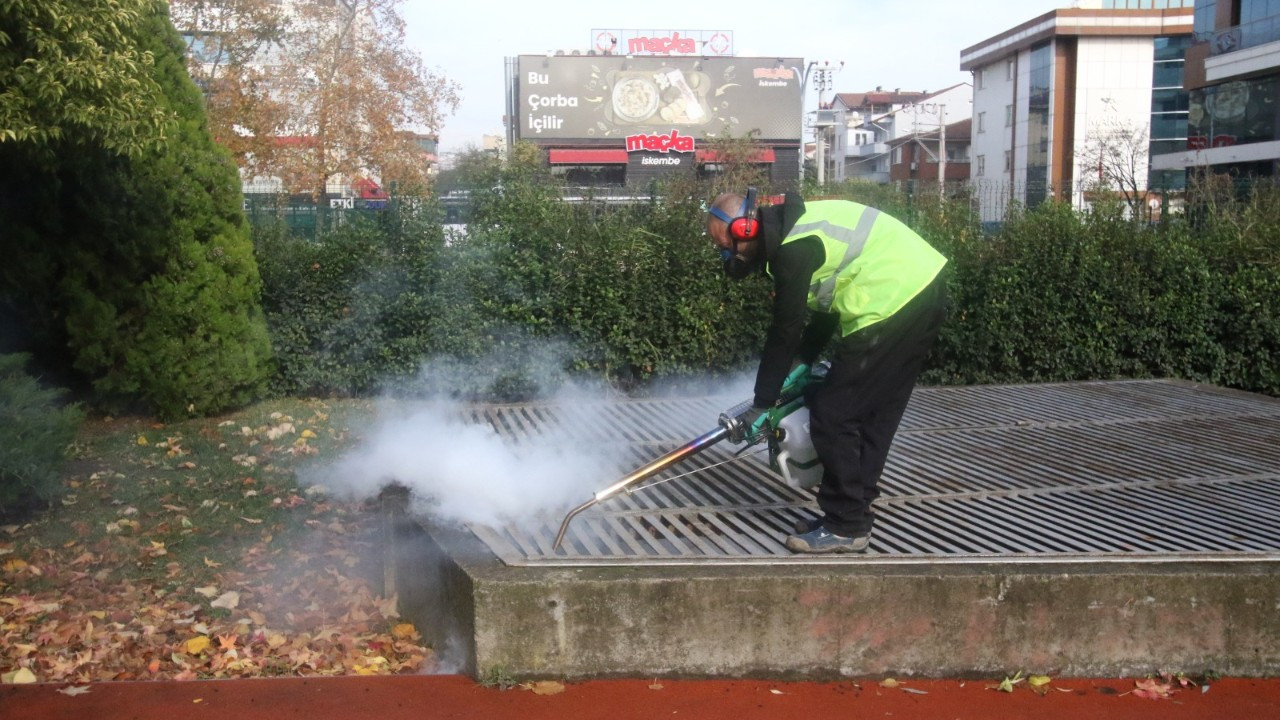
point(822, 540)
point(805, 525)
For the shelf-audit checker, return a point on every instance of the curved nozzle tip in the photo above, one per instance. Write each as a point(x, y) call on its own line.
point(564, 524)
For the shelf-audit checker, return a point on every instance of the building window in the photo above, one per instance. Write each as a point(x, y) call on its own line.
point(980, 78)
point(980, 167)
point(982, 122)
point(1039, 104)
point(592, 175)
point(1008, 161)
point(1008, 116)
point(1145, 4)
point(1204, 20)
point(897, 155)
point(1170, 105)
point(1008, 69)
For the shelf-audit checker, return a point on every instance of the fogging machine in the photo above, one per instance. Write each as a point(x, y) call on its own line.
point(786, 431)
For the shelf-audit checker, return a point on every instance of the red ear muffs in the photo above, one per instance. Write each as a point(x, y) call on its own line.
point(744, 228)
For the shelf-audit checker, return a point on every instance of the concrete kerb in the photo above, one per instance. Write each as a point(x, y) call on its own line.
point(1095, 619)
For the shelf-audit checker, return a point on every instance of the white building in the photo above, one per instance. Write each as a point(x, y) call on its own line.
point(1048, 92)
point(864, 126)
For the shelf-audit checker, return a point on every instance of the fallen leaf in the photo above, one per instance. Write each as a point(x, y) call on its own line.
point(546, 687)
point(1152, 689)
point(1039, 683)
point(196, 645)
point(74, 691)
point(656, 686)
point(1007, 684)
point(21, 676)
point(404, 631)
point(142, 439)
point(889, 683)
point(228, 600)
point(914, 691)
point(210, 591)
point(775, 692)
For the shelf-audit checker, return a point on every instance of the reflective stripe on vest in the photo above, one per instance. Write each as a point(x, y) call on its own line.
point(825, 292)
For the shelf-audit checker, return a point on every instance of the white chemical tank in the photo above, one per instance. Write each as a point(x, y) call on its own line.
point(795, 459)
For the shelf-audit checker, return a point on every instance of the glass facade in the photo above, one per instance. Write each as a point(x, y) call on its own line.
point(1253, 10)
point(1169, 108)
point(1039, 106)
point(1234, 113)
point(1145, 4)
point(1202, 27)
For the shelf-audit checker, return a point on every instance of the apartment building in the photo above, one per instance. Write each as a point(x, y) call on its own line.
point(1048, 90)
point(1233, 74)
point(932, 155)
point(861, 129)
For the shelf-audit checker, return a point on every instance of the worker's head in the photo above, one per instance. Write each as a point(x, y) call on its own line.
point(733, 227)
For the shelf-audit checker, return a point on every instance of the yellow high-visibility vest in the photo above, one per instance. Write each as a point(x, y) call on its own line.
point(874, 263)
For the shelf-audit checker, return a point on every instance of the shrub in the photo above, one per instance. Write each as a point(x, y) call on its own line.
point(135, 274)
point(357, 308)
point(539, 288)
point(37, 429)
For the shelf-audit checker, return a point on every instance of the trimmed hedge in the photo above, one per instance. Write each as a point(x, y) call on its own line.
point(1063, 295)
point(535, 290)
point(538, 289)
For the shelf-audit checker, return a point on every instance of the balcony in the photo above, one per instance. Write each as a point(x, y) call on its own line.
point(1242, 37)
point(872, 149)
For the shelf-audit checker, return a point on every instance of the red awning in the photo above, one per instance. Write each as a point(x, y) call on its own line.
point(564, 156)
point(763, 156)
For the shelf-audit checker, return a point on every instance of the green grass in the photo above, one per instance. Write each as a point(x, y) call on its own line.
point(160, 522)
point(171, 503)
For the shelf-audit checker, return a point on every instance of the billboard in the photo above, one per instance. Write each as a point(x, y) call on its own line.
point(587, 98)
point(662, 42)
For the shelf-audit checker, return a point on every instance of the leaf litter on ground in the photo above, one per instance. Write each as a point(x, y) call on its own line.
point(152, 574)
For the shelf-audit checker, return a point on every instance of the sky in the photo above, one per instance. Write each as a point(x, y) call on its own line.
point(908, 44)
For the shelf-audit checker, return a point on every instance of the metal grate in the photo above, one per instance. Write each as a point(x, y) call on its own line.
point(1100, 471)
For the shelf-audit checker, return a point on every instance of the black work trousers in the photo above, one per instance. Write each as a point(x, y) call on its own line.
point(854, 414)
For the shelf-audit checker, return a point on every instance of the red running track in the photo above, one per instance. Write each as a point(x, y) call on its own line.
point(449, 696)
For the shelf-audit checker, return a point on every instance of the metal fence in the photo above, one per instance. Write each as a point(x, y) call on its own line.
point(990, 202)
point(985, 202)
point(305, 216)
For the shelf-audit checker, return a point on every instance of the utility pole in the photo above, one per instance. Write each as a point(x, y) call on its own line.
point(822, 81)
point(942, 152)
point(941, 157)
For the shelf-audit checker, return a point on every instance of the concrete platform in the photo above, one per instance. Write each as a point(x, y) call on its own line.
point(1082, 529)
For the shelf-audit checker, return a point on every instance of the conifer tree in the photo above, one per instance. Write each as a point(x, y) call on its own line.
point(134, 272)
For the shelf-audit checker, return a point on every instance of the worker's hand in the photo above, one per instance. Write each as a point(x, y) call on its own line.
point(752, 421)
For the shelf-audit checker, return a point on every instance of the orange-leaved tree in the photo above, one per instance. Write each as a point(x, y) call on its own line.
point(313, 91)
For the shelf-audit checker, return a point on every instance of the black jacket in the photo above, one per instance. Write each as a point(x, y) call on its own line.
point(792, 267)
